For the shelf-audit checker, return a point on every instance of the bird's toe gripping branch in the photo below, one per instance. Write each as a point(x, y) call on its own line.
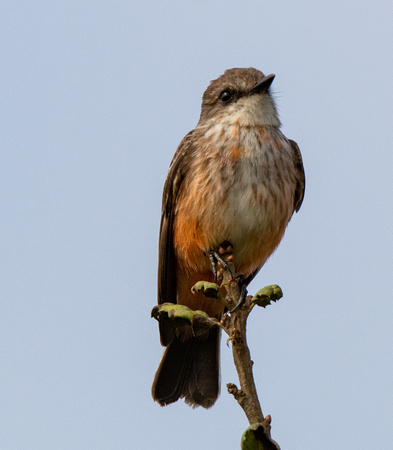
point(220, 259)
point(223, 269)
point(242, 293)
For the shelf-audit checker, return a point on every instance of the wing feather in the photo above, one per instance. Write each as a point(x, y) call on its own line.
point(166, 255)
point(301, 179)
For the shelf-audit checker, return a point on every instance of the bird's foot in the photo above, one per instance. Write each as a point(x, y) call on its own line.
point(219, 259)
point(243, 293)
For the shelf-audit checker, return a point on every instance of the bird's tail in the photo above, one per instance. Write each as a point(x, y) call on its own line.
point(189, 369)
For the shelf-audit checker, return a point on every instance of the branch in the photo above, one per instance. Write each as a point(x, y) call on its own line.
point(234, 324)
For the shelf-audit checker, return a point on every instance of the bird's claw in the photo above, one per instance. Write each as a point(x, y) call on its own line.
point(220, 257)
point(242, 297)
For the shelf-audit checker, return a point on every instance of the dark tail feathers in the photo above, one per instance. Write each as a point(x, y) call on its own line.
point(189, 369)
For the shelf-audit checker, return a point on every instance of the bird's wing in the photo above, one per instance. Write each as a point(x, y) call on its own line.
point(167, 289)
point(166, 255)
point(301, 179)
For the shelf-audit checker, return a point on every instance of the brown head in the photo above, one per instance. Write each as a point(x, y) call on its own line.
point(240, 95)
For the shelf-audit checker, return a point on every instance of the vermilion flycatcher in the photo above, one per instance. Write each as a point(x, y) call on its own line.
point(234, 178)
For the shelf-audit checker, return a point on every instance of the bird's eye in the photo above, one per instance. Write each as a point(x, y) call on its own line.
point(225, 96)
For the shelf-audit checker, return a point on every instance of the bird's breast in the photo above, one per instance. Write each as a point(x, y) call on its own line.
point(240, 188)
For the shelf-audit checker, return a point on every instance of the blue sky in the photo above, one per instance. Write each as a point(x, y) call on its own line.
point(95, 98)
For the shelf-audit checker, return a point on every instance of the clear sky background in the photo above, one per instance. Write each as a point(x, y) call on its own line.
point(95, 97)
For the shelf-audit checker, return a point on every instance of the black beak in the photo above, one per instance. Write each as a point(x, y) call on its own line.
point(262, 85)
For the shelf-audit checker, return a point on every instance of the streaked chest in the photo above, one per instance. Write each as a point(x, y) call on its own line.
point(240, 188)
point(243, 171)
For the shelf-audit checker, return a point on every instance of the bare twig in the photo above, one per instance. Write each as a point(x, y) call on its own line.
point(234, 325)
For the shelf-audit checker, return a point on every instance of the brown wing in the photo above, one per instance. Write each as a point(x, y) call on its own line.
point(166, 256)
point(301, 179)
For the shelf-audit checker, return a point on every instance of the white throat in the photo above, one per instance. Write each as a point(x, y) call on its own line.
point(258, 109)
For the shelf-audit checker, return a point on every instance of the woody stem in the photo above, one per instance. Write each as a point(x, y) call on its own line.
point(235, 326)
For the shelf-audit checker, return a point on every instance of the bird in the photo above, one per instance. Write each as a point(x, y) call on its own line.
point(235, 178)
